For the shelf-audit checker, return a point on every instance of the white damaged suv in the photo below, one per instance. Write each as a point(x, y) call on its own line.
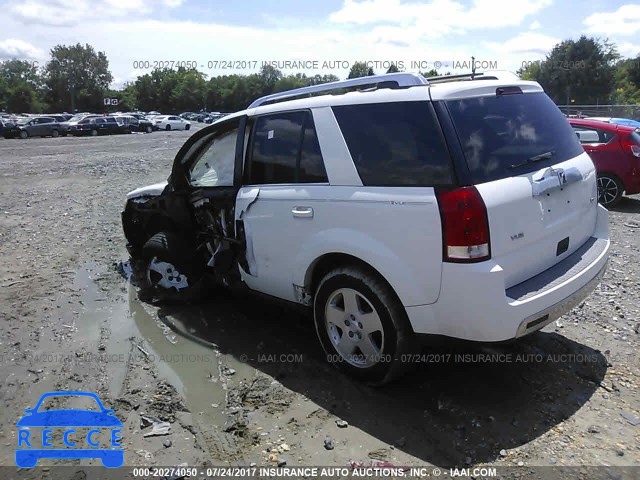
point(462, 206)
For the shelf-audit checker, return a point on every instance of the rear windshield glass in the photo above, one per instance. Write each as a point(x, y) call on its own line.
point(508, 135)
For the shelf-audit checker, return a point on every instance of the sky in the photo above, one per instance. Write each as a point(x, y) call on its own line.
point(225, 37)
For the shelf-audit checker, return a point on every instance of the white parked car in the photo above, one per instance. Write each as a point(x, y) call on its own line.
point(460, 208)
point(171, 122)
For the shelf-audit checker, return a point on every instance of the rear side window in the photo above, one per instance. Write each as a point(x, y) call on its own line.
point(395, 144)
point(509, 135)
point(285, 149)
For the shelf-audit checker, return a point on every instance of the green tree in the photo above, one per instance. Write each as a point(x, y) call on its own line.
point(393, 68)
point(190, 93)
point(319, 79)
point(268, 77)
point(627, 82)
point(430, 73)
point(291, 82)
point(20, 87)
point(76, 78)
point(360, 69)
point(582, 71)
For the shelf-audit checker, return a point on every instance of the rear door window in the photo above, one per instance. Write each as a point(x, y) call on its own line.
point(396, 144)
point(509, 135)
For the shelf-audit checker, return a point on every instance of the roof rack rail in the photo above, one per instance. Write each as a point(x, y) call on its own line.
point(401, 79)
point(504, 75)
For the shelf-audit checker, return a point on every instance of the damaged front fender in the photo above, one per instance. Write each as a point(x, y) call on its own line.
point(149, 191)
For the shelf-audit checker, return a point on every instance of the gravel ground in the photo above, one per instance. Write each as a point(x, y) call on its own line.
point(243, 382)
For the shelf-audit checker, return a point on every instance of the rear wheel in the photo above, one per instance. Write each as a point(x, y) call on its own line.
point(94, 133)
point(362, 326)
point(610, 189)
point(55, 133)
point(24, 134)
point(171, 270)
point(168, 127)
point(187, 127)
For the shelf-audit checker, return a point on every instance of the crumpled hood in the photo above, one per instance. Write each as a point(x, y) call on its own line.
point(148, 191)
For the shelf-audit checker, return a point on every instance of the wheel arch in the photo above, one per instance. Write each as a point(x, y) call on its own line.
point(412, 281)
point(327, 262)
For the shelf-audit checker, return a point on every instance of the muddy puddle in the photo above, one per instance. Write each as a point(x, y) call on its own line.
point(181, 347)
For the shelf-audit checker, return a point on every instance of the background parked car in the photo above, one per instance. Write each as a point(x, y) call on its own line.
point(99, 126)
point(63, 121)
point(71, 126)
point(213, 116)
point(34, 127)
point(615, 151)
point(5, 125)
point(134, 124)
point(172, 122)
point(144, 121)
point(629, 122)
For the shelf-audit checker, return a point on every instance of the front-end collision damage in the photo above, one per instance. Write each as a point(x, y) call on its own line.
point(154, 190)
point(243, 205)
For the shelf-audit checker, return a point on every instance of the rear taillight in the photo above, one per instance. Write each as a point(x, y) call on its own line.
point(465, 227)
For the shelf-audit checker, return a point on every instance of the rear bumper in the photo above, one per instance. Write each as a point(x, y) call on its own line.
point(475, 305)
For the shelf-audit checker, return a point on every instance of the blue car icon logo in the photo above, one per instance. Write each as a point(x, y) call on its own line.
point(67, 419)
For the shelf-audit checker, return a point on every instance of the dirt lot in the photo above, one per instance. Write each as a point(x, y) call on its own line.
point(248, 384)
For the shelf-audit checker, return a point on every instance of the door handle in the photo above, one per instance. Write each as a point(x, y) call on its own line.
point(302, 212)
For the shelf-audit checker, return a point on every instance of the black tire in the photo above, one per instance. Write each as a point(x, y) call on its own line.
point(397, 339)
point(24, 134)
point(55, 133)
point(167, 128)
point(179, 256)
point(610, 189)
point(149, 129)
point(187, 127)
point(94, 133)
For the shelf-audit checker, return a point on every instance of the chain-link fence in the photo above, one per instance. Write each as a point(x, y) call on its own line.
point(619, 111)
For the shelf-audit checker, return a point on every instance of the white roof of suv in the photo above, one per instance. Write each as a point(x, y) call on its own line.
point(437, 88)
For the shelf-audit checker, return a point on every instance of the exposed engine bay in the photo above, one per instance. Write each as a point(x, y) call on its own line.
point(204, 220)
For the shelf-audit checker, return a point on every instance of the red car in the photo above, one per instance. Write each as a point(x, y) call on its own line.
point(615, 151)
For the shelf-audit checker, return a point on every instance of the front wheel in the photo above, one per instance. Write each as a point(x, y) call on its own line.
point(187, 127)
point(94, 133)
point(610, 190)
point(55, 133)
point(362, 326)
point(168, 127)
point(149, 129)
point(172, 271)
point(24, 134)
